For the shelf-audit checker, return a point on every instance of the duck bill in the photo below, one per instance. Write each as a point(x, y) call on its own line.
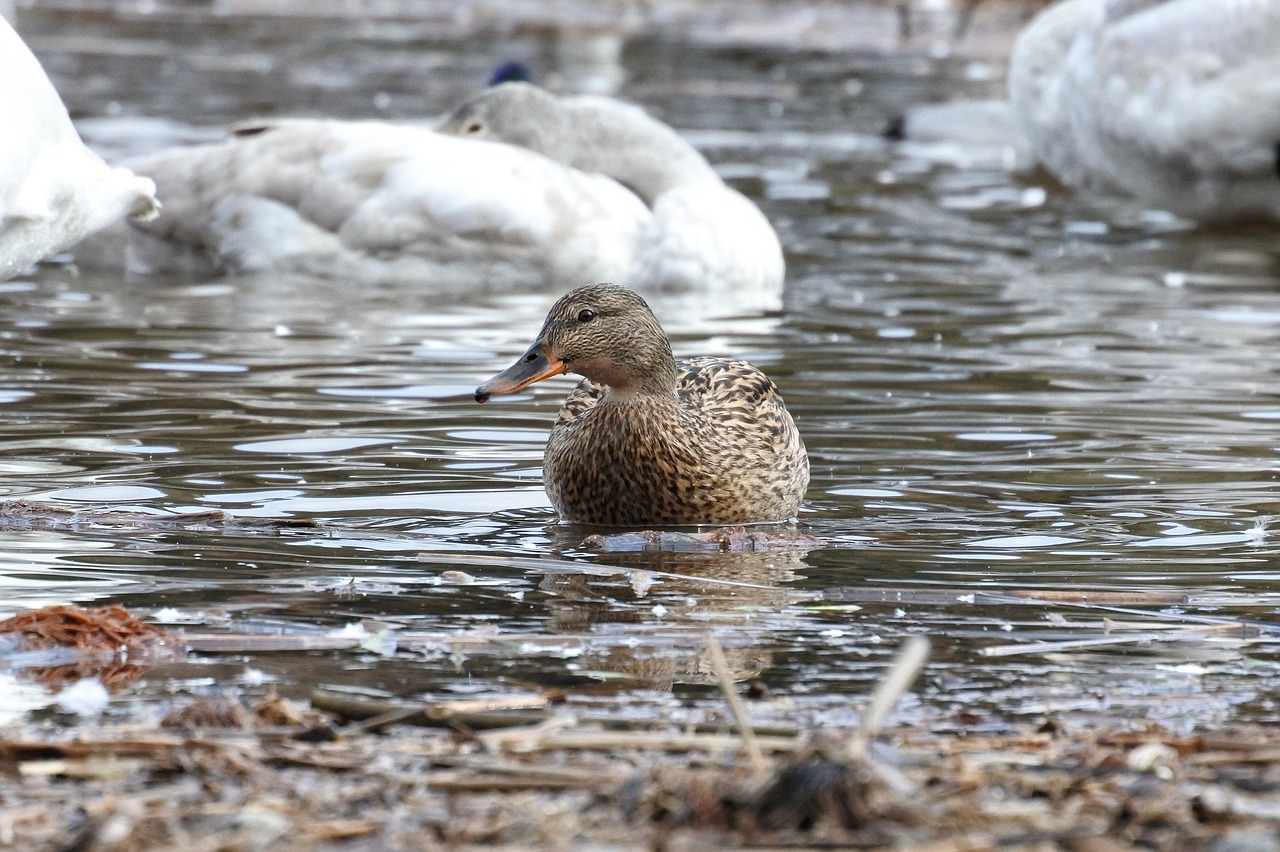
point(534, 366)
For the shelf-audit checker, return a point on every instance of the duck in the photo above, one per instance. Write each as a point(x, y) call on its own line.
point(54, 191)
point(518, 185)
point(646, 440)
point(1170, 102)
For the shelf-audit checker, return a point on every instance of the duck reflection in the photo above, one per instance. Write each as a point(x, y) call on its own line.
point(660, 592)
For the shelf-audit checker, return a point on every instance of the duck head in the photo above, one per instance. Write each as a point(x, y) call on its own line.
point(604, 332)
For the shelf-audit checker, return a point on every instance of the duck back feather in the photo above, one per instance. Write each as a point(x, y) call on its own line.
point(723, 450)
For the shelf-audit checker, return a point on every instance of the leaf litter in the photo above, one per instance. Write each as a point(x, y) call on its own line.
point(537, 768)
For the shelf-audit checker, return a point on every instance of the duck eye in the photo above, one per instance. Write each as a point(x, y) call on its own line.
point(474, 127)
point(586, 315)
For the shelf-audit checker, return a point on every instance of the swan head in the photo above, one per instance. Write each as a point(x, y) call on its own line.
point(604, 332)
point(517, 113)
point(591, 133)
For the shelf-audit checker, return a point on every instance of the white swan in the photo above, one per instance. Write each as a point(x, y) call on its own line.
point(53, 190)
point(378, 201)
point(701, 234)
point(372, 201)
point(1173, 102)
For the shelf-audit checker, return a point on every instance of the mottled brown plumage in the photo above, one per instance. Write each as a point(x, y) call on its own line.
point(644, 440)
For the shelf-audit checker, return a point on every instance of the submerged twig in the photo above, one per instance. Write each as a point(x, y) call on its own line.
point(372, 714)
point(661, 741)
point(1122, 603)
point(551, 565)
point(721, 668)
point(856, 594)
point(261, 643)
point(24, 515)
point(1181, 634)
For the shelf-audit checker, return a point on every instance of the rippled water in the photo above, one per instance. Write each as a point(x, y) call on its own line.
point(1002, 387)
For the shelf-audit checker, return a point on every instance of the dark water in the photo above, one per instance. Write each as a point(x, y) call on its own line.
point(1001, 387)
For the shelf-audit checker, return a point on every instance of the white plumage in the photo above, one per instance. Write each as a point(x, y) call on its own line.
point(53, 190)
point(375, 201)
point(702, 235)
point(1174, 102)
point(378, 201)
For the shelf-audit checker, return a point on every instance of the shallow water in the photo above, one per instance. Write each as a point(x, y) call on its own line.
point(1001, 386)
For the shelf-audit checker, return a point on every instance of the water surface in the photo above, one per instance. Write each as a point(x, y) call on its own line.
point(1002, 386)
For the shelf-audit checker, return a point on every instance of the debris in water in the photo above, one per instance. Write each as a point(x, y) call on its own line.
point(104, 629)
point(87, 697)
point(106, 643)
point(24, 515)
point(735, 539)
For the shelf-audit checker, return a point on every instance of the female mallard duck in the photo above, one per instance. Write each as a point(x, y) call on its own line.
point(1173, 102)
point(53, 190)
point(646, 440)
point(521, 186)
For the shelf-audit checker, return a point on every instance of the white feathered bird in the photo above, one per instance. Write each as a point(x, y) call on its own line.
point(1173, 102)
point(519, 189)
point(53, 190)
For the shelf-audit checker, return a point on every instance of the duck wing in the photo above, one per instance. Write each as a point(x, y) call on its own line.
point(725, 394)
point(724, 451)
point(739, 399)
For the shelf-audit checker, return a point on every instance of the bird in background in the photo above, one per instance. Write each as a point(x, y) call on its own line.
point(517, 189)
point(54, 191)
point(1172, 102)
